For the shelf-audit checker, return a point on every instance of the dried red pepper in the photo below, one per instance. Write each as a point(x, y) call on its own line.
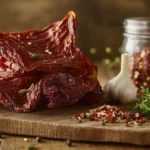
point(36, 64)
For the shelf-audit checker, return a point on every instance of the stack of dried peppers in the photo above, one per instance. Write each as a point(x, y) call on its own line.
point(45, 66)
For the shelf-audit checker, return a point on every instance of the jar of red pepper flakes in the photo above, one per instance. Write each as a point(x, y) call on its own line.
point(137, 43)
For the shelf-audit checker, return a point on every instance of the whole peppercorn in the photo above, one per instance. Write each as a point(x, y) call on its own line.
point(38, 139)
point(31, 147)
point(103, 123)
point(79, 121)
point(68, 143)
point(25, 140)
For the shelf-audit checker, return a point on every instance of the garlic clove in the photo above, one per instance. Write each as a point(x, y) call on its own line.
point(121, 87)
point(125, 91)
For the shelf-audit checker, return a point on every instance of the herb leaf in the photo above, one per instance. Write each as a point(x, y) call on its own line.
point(23, 91)
point(33, 55)
point(144, 106)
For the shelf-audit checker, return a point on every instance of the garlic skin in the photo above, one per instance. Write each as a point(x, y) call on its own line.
point(121, 87)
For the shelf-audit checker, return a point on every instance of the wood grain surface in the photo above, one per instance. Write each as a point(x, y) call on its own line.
point(58, 124)
point(17, 143)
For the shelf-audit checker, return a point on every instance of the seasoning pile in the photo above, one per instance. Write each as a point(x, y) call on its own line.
point(112, 114)
point(141, 69)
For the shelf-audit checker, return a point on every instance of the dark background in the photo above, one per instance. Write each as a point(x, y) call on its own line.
point(99, 21)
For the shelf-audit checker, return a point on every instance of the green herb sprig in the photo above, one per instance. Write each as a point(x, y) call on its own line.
point(144, 106)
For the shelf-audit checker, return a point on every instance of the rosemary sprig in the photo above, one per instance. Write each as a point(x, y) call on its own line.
point(144, 106)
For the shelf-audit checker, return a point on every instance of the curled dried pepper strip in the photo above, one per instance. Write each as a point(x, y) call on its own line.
point(54, 45)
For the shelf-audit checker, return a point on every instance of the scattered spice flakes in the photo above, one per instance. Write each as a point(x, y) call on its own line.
point(112, 114)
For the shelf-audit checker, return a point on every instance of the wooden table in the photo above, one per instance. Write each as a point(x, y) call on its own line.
point(12, 142)
point(17, 143)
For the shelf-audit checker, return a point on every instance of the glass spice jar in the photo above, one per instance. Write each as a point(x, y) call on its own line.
point(137, 43)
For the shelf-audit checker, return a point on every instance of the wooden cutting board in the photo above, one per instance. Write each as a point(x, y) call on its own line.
point(58, 123)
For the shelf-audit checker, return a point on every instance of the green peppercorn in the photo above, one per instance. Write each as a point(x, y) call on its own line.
point(31, 147)
point(68, 143)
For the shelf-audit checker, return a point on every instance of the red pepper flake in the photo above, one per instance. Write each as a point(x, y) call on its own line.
point(140, 69)
point(94, 119)
point(79, 118)
point(142, 121)
point(97, 110)
point(109, 117)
